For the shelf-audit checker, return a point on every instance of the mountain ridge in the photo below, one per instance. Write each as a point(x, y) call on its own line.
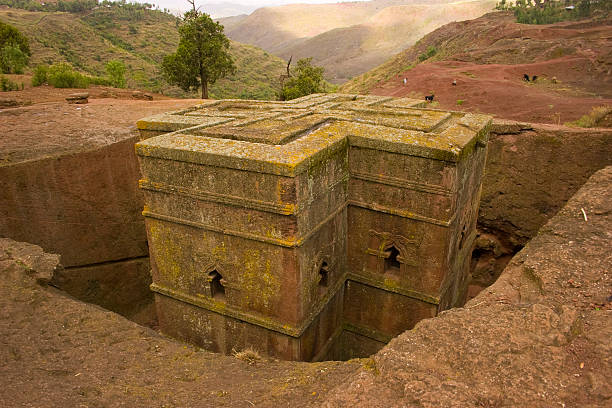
point(348, 39)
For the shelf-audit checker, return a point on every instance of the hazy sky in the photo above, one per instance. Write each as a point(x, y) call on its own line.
point(172, 4)
point(223, 8)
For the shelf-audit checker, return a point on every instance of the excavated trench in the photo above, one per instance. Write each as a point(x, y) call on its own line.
point(531, 172)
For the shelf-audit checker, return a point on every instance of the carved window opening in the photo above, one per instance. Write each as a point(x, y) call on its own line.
point(324, 275)
point(462, 239)
point(392, 264)
point(217, 290)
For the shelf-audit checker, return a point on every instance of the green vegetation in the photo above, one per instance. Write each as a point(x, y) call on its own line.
point(8, 85)
point(139, 37)
point(460, 102)
point(116, 73)
point(431, 51)
point(62, 75)
point(553, 11)
point(39, 76)
point(73, 6)
point(14, 50)
point(202, 55)
point(307, 80)
point(593, 118)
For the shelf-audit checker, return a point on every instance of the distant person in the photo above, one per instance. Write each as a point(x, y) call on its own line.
point(429, 98)
point(454, 82)
point(554, 80)
point(534, 78)
point(405, 80)
point(525, 77)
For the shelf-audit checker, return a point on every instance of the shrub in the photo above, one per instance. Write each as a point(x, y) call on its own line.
point(14, 50)
point(248, 355)
point(309, 80)
point(431, 51)
point(12, 60)
point(526, 12)
point(460, 102)
point(8, 85)
point(40, 75)
point(593, 118)
point(63, 76)
point(116, 73)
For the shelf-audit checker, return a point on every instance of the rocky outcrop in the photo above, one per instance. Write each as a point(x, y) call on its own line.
point(60, 352)
point(539, 337)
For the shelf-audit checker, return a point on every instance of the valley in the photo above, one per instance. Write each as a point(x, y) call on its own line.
point(347, 39)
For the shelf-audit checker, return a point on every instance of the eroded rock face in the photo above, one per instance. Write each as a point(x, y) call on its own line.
point(69, 183)
point(531, 172)
point(539, 337)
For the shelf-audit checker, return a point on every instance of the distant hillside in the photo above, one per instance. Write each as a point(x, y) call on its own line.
point(497, 39)
point(479, 66)
point(348, 38)
point(89, 40)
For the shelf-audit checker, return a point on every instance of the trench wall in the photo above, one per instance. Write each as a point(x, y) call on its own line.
point(85, 206)
point(531, 172)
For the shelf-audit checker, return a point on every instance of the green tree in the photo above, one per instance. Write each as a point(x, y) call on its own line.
point(116, 73)
point(308, 79)
point(202, 55)
point(14, 50)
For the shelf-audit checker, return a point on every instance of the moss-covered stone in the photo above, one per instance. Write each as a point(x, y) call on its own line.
point(288, 224)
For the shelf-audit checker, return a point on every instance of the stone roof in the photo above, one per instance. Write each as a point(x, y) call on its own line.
point(286, 137)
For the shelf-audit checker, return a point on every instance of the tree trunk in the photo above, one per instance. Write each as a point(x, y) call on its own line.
point(204, 90)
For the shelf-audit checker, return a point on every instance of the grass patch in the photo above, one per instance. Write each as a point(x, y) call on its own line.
point(592, 118)
point(248, 355)
point(468, 74)
point(460, 102)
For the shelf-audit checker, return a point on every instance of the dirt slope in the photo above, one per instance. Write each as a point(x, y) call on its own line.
point(488, 56)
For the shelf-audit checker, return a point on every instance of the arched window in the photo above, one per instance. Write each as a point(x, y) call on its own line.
point(324, 274)
point(391, 263)
point(217, 290)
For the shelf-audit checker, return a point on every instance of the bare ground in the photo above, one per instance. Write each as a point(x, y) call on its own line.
point(48, 126)
point(499, 89)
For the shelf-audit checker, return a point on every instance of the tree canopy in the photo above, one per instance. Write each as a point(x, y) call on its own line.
point(116, 73)
point(14, 50)
point(308, 79)
point(202, 55)
point(553, 11)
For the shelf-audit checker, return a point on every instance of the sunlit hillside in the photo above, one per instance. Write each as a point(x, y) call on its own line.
point(348, 39)
point(140, 40)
